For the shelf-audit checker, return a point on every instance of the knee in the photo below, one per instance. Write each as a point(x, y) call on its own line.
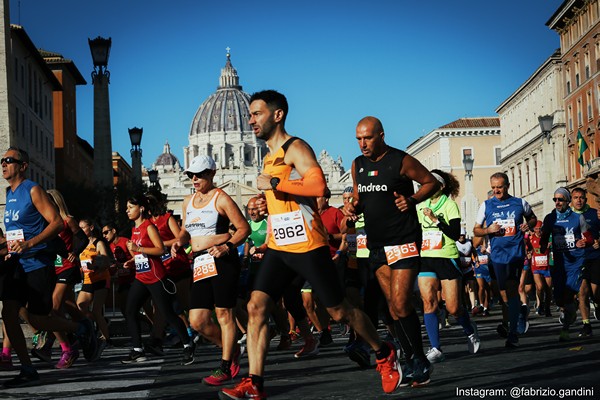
point(256, 309)
point(429, 305)
point(452, 309)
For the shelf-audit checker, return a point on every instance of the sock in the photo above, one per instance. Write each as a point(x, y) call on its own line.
point(431, 325)
point(226, 366)
point(412, 328)
point(465, 321)
point(403, 339)
point(6, 351)
point(383, 352)
point(258, 381)
point(514, 305)
point(586, 321)
point(138, 349)
point(187, 345)
point(65, 346)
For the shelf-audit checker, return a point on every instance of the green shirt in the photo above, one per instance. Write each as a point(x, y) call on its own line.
point(258, 233)
point(445, 209)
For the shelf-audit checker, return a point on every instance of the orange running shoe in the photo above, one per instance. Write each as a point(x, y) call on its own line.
point(389, 368)
point(243, 390)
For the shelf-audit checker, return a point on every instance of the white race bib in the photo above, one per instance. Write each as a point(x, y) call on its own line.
point(142, 264)
point(288, 228)
point(12, 237)
point(204, 267)
point(432, 240)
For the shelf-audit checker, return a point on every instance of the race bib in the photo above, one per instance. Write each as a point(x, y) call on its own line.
point(85, 265)
point(400, 252)
point(12, 237)
point(288, 228)
point(570, 239)
point(466, 261)
point(361, 242)
point(142, 264)
point(351, 239)
point(541, 261)
point(508, 225)
point(58, 261)
point(432, 240)
point(204, 267)
point(483, 259)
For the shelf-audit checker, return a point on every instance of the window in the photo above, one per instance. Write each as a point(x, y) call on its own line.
point(535, 171)
point(577, 74)
point(590, 114)
point(587, 65)
point(570, 112)
point(579, 113)
point(527, 179)
point(497, 155)
point(520, 179)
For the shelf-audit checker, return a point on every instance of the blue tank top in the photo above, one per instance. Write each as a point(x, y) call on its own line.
point(591, 217)
point(565, 233)
point(20, 214)
point(509, 246)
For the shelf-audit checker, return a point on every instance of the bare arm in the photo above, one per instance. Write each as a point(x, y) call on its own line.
point(183, 238)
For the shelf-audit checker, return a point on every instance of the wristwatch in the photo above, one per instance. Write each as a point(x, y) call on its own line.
point(275, 182)
point(231, 247)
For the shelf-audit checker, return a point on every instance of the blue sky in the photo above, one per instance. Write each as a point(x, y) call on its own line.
point(416, 65)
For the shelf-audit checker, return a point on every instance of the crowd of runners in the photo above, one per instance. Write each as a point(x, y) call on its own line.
point(296, 268)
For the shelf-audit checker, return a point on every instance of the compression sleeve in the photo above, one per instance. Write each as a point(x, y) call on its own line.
point(312, 184)
point(452, 230)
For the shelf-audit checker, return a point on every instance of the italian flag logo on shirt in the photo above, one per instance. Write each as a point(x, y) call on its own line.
point(372, 173)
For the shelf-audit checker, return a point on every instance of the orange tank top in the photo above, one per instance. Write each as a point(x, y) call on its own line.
point(294, 224)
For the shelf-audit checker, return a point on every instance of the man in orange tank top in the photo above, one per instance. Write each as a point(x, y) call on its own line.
point(292, 179)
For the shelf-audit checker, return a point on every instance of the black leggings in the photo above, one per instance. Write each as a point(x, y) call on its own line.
point(138, 294)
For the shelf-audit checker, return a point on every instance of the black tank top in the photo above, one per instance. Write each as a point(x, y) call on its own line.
point(385, 225)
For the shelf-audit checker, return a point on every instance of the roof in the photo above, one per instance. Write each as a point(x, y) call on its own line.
point(56, 59)
point(479, 122)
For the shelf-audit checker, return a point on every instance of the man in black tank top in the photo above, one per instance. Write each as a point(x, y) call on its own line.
point(383, 191)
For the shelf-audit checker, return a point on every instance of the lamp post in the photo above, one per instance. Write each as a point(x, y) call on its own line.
point(546, 122)
point(469, 200)
point(153, 178)
point(135, 135)
point(103, 171)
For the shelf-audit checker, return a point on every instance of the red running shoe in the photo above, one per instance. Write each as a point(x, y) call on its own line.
point(243, 390)
point(389, 368)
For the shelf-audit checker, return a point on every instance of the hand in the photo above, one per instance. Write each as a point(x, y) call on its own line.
point(261, 204)
point(218, 250)
point(596, 244)
point(429, 214)
point(402, 203)
point(263, 182)
point(132, 246)
point(174, 248)
point(252, 250)
point(493, 229)
point(525, 227)
point(20, 246)
point(580, 243)
point(129, 264)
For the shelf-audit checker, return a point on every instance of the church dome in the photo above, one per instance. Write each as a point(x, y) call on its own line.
point(226, 110)
point(167, 159)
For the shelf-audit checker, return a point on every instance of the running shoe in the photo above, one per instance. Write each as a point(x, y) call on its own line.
point(586, 330)
point(285, 343)
point(474, 311)
point(154, 346)
point(325, 338)
point(359, 353)
point(512, 341)
point(441, 316)
point(235, 362)
point(564, 335)
point(6, 362)
point(67, 358)
point(345, 329)
point(27, 377)
point(102, 344)
point(134, 356)
point(87, 339)
point(243, 390)
point(596, 312)
point(502, 330)
point(43, 353)
point(523, 323)
point(390, 370)
point(473, 340)
point(435, 355)
point(217, 378)
point(310, 349)
point(422, 372)
point(407, 372)
point(188, 354)
point(486, 312)
point(243, 339)
point(38, 340)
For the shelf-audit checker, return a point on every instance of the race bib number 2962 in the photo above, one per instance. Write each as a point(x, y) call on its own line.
point(288, 228)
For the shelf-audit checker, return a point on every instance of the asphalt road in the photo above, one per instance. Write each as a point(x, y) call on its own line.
point(540, 368)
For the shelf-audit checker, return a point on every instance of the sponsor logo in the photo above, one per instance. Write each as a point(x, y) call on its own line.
point(372, 188)
point(373, 173)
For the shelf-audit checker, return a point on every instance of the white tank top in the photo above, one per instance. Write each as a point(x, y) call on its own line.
point(205, 221)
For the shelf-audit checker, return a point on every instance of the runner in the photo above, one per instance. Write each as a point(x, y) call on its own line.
point(146, 248)
point(541, 271)
point(468, 257)
point(206, 217)
point(440, 220)
point(32, 222)
point(482, 274)
point(504, 216)
point(292, 179)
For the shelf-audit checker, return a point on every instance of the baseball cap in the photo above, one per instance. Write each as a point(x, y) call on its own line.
point(201, 163)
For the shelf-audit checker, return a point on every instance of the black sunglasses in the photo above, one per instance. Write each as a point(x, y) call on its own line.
point(105, 232)
point(555, 199)
point(198, 175)
point(10, 160)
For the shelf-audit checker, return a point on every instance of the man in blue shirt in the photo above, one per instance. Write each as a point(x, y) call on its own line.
point(32, 222)
point(506, 218)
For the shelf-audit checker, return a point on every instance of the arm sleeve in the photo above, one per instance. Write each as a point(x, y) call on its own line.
point(80, 242)
point(452, 229)
point(312, 184)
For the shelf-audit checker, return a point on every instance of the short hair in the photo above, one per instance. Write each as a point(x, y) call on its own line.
point(274, 100)
point(23, 155)
point(579, 190)
point(502, 175)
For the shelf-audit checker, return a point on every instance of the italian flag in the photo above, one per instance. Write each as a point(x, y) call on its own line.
point(372, 173)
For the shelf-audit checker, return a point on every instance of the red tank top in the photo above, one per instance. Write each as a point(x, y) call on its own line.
point(63, 264)
point(179, 264)
point(149, 269)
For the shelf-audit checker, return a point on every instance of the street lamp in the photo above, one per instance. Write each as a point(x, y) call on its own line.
point(153, 177)
point(135, 135)
point(546, 122)
point(468, 164)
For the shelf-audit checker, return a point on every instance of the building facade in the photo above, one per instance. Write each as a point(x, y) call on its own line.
point(446, 147)
point(577, 23)
point(535, 161)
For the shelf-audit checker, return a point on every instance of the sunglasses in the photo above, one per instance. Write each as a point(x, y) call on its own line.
point(198, 175)
point(105, 232)
point(10, 160)
point(560, 199)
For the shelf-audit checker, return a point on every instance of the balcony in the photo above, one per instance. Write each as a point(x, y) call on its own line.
point(591, 167)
